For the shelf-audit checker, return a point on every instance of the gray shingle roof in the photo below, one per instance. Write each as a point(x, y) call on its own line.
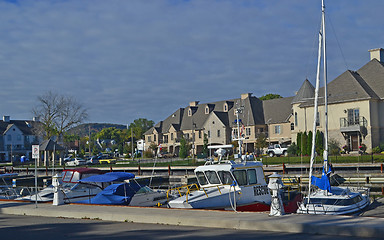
point(25, 126)
point(306, 91)
point(277, 110)
point(349, 86)
point(373, 75)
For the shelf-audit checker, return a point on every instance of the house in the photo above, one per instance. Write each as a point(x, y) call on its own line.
point(355, 106)
point(355, 115)
point(16, 138)
point(216, 122)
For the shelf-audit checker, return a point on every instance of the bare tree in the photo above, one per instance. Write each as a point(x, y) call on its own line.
point(58, 113)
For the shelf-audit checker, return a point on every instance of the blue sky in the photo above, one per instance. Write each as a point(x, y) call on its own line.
point(129, 59)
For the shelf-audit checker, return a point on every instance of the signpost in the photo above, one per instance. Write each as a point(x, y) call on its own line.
point(35, 155)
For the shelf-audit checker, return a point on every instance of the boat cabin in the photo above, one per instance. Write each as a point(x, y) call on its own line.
point(242, 174)
point(74, 175)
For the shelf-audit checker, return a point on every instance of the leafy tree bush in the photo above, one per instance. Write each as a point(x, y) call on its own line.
point(293, 149)
point(270, 96)
point(298, 140)
point(309, 144)
point(304, 142)
point(334, 147)
point(183, 152)
point(319, 142)
point(148, 154)
point(376, 149)
point(261, 142)
point(205, 146)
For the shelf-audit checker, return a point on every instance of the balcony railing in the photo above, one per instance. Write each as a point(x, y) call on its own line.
point(353, 125)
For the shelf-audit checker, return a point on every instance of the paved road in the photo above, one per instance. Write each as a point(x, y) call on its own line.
point(26, 227)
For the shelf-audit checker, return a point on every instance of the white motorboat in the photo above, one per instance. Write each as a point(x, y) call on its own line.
point(226, 186)
point(240, 186)
point(73, 190)
point(6, 191)
point(326, 199)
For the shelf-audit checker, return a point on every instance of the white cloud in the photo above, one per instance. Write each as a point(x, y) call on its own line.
point(129, 59)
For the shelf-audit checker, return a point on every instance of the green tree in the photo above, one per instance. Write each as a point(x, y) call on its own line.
point(319, 142)
point(293, 149)
point(270, 96)
point(139, 127)
point(205, 146)
point(298, 140)
point(334, 147)
point(304, 144)
point(309, 143)
point(261, 142)
point(184, 149)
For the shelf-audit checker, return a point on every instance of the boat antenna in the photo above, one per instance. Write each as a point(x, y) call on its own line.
point(239, 139)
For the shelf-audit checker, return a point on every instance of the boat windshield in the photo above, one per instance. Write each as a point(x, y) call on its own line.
point(252, 178)
point(67, 176)
point(212, 177)
point(225, 177)
point(201, 178)
point(241, 177)
point(334, 201)
point(144, 189)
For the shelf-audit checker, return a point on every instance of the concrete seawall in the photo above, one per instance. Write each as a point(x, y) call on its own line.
point(292, 223)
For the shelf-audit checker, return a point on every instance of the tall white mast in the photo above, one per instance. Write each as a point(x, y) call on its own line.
point(325, 154)
point(315, 108)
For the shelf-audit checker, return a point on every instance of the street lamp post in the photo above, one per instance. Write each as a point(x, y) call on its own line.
point(269, 134)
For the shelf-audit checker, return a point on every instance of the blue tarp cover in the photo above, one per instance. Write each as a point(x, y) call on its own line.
point(109, 177)
point(323, 182)
point(115, 194)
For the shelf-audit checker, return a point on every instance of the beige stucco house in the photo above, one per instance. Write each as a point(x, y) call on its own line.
point(355, 106)
point(355, 115)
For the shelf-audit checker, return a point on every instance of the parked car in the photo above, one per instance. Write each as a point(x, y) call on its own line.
point(277, 150)
point(93, 160)
point(76, 162)
point(107, 160)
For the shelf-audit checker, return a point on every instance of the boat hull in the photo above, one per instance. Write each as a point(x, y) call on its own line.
point(341, 202)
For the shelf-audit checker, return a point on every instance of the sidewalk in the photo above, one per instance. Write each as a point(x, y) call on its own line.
point(292, 223)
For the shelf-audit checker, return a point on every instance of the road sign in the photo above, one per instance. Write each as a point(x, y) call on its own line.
point(35, 151)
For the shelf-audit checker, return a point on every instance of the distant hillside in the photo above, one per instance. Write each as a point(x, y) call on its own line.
point(83, 129)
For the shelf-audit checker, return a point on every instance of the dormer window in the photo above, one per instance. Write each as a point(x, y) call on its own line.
point(206, 110)
point(226, 107)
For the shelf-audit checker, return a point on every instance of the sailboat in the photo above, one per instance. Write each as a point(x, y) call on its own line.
point(327, 199)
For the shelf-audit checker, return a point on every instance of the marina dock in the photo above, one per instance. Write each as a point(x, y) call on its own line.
point(369, 225)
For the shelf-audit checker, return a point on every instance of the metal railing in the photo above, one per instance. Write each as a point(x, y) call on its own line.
point(361, 121)
point(192, 187)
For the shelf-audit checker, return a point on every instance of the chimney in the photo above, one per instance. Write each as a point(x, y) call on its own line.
point(6, 119)
point(245, 95)
point(194, 103)
point(377, 53)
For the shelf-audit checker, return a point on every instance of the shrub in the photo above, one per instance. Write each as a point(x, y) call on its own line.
point(148, 154)
point(376, 150)
point(334, 148)
point(363, 148)
point(292, 150)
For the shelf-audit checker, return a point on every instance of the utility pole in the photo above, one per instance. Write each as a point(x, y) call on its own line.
point(132, 143)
